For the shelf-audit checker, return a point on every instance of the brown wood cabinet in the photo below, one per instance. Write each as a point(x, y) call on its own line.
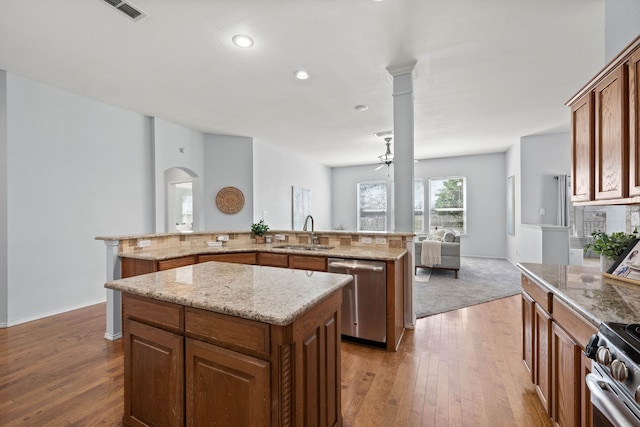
point(238, 258)
point(605, 144)
point(186, 365)
point(312, 263)
point(554, 336)
point(273, 260)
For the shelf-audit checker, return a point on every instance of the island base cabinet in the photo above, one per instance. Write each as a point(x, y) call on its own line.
point(153, 376)
point(234, 375)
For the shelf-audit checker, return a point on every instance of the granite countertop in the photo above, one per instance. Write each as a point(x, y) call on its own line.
point(379, 253)
point(597, 298)
point(271, 295)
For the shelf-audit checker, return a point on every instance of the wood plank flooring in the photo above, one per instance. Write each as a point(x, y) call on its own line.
point(461, 368)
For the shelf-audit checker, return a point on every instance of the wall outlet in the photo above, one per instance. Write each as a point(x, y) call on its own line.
point(366, 240)
point(280, 237)
point(381, 241)
point(223, 238)
point(144, 243)
point(542, 211)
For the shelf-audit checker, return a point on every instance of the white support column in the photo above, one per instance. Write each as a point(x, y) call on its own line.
point(114, 298)
point(403, 174)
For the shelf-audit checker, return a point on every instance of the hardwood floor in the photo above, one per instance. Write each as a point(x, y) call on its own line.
point(458, 368)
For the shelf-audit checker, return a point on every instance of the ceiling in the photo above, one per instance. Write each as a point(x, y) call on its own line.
point(488, 71)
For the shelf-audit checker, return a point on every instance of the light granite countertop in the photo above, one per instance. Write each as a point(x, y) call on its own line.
point(597, 298)
point(357, 252)
point(275, 296)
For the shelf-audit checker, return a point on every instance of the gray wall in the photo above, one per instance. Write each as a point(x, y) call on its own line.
point(77, 169)
point(486, 197)
point(621, 26)
point(229, 163)
point(3, 201)
point(543, 157)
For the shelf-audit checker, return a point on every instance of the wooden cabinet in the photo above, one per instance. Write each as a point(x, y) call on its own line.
point(634, 124)
point(605, 143)
point(186, 365)
point(582, 149)
point(611, 142)
point(153, 376)
point(565, 378)
point(242, 395)
point(273, 260)
point(543, 339)
point(554, 336)
point(313, 263)
point(238, 258)
point(134, 267)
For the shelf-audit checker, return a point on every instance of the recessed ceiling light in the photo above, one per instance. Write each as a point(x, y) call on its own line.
point(242, 40)
point(302, 75)
point(361, 107)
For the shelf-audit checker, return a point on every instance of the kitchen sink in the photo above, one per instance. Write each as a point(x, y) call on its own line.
point(303, 247)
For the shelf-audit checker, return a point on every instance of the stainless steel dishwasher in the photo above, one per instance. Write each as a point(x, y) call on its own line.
point(364, 300)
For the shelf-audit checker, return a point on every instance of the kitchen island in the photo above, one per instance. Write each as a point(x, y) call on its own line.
point(232, 344)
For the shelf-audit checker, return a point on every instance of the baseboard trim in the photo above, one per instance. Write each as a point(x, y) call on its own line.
point(112, 337)
point(50, 313)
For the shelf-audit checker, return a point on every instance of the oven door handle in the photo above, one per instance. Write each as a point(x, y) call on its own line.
point(608, 403)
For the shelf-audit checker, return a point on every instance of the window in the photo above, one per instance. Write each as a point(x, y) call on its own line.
point(418, 206)
point(372, 206)
point(447, 204)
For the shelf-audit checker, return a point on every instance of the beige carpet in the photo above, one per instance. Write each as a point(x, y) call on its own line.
point(479, 280)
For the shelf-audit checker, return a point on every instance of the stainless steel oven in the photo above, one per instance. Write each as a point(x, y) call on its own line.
point(614, 381)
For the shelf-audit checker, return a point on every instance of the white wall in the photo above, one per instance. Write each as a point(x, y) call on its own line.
point(621, 26)
point(228, 163)
point(486, 197)
point(275, 171)
point(543, 158)
point(77, 169)
point(176, 146)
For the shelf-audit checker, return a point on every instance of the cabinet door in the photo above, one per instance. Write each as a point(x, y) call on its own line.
point(542, 356)
point(634, 124)
point(582, 149)
point(313, 263)
point(273, 260)
point(238, 258)
point(566, 380)
point(153, 376)
point(528, 307)
point(176, 262)
point(585, 401)
point(240, 395)
point(611, 137)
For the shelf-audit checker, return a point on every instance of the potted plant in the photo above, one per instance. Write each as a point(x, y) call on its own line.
point(259, 229)
point(610, 246)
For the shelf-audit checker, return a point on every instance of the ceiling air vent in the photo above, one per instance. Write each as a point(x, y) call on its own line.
point(127, 8)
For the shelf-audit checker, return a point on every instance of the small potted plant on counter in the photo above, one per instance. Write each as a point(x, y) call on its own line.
point(610, 246)
point(259, 229)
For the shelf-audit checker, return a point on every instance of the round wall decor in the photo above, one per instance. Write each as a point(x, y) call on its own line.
point(230, 200)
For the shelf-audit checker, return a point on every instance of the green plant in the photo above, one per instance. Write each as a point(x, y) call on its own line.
point(611, 245)
point(259, 228)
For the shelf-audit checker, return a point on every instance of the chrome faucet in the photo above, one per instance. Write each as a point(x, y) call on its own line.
point(306, 221)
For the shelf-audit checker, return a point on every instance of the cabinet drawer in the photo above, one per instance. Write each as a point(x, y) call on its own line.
point(273, 260)
point(232, 332)
point(301, 262)
point(539, 293)
point(239, 258)
point(176, 262)
point(162, 314)
point(577, 326)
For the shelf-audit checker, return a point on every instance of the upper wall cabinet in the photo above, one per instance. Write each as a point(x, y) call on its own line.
point(604, 132)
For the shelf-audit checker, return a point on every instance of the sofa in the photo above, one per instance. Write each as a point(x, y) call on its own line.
point(449, 250)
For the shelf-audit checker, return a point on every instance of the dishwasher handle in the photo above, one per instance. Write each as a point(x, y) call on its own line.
point(355, 267)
